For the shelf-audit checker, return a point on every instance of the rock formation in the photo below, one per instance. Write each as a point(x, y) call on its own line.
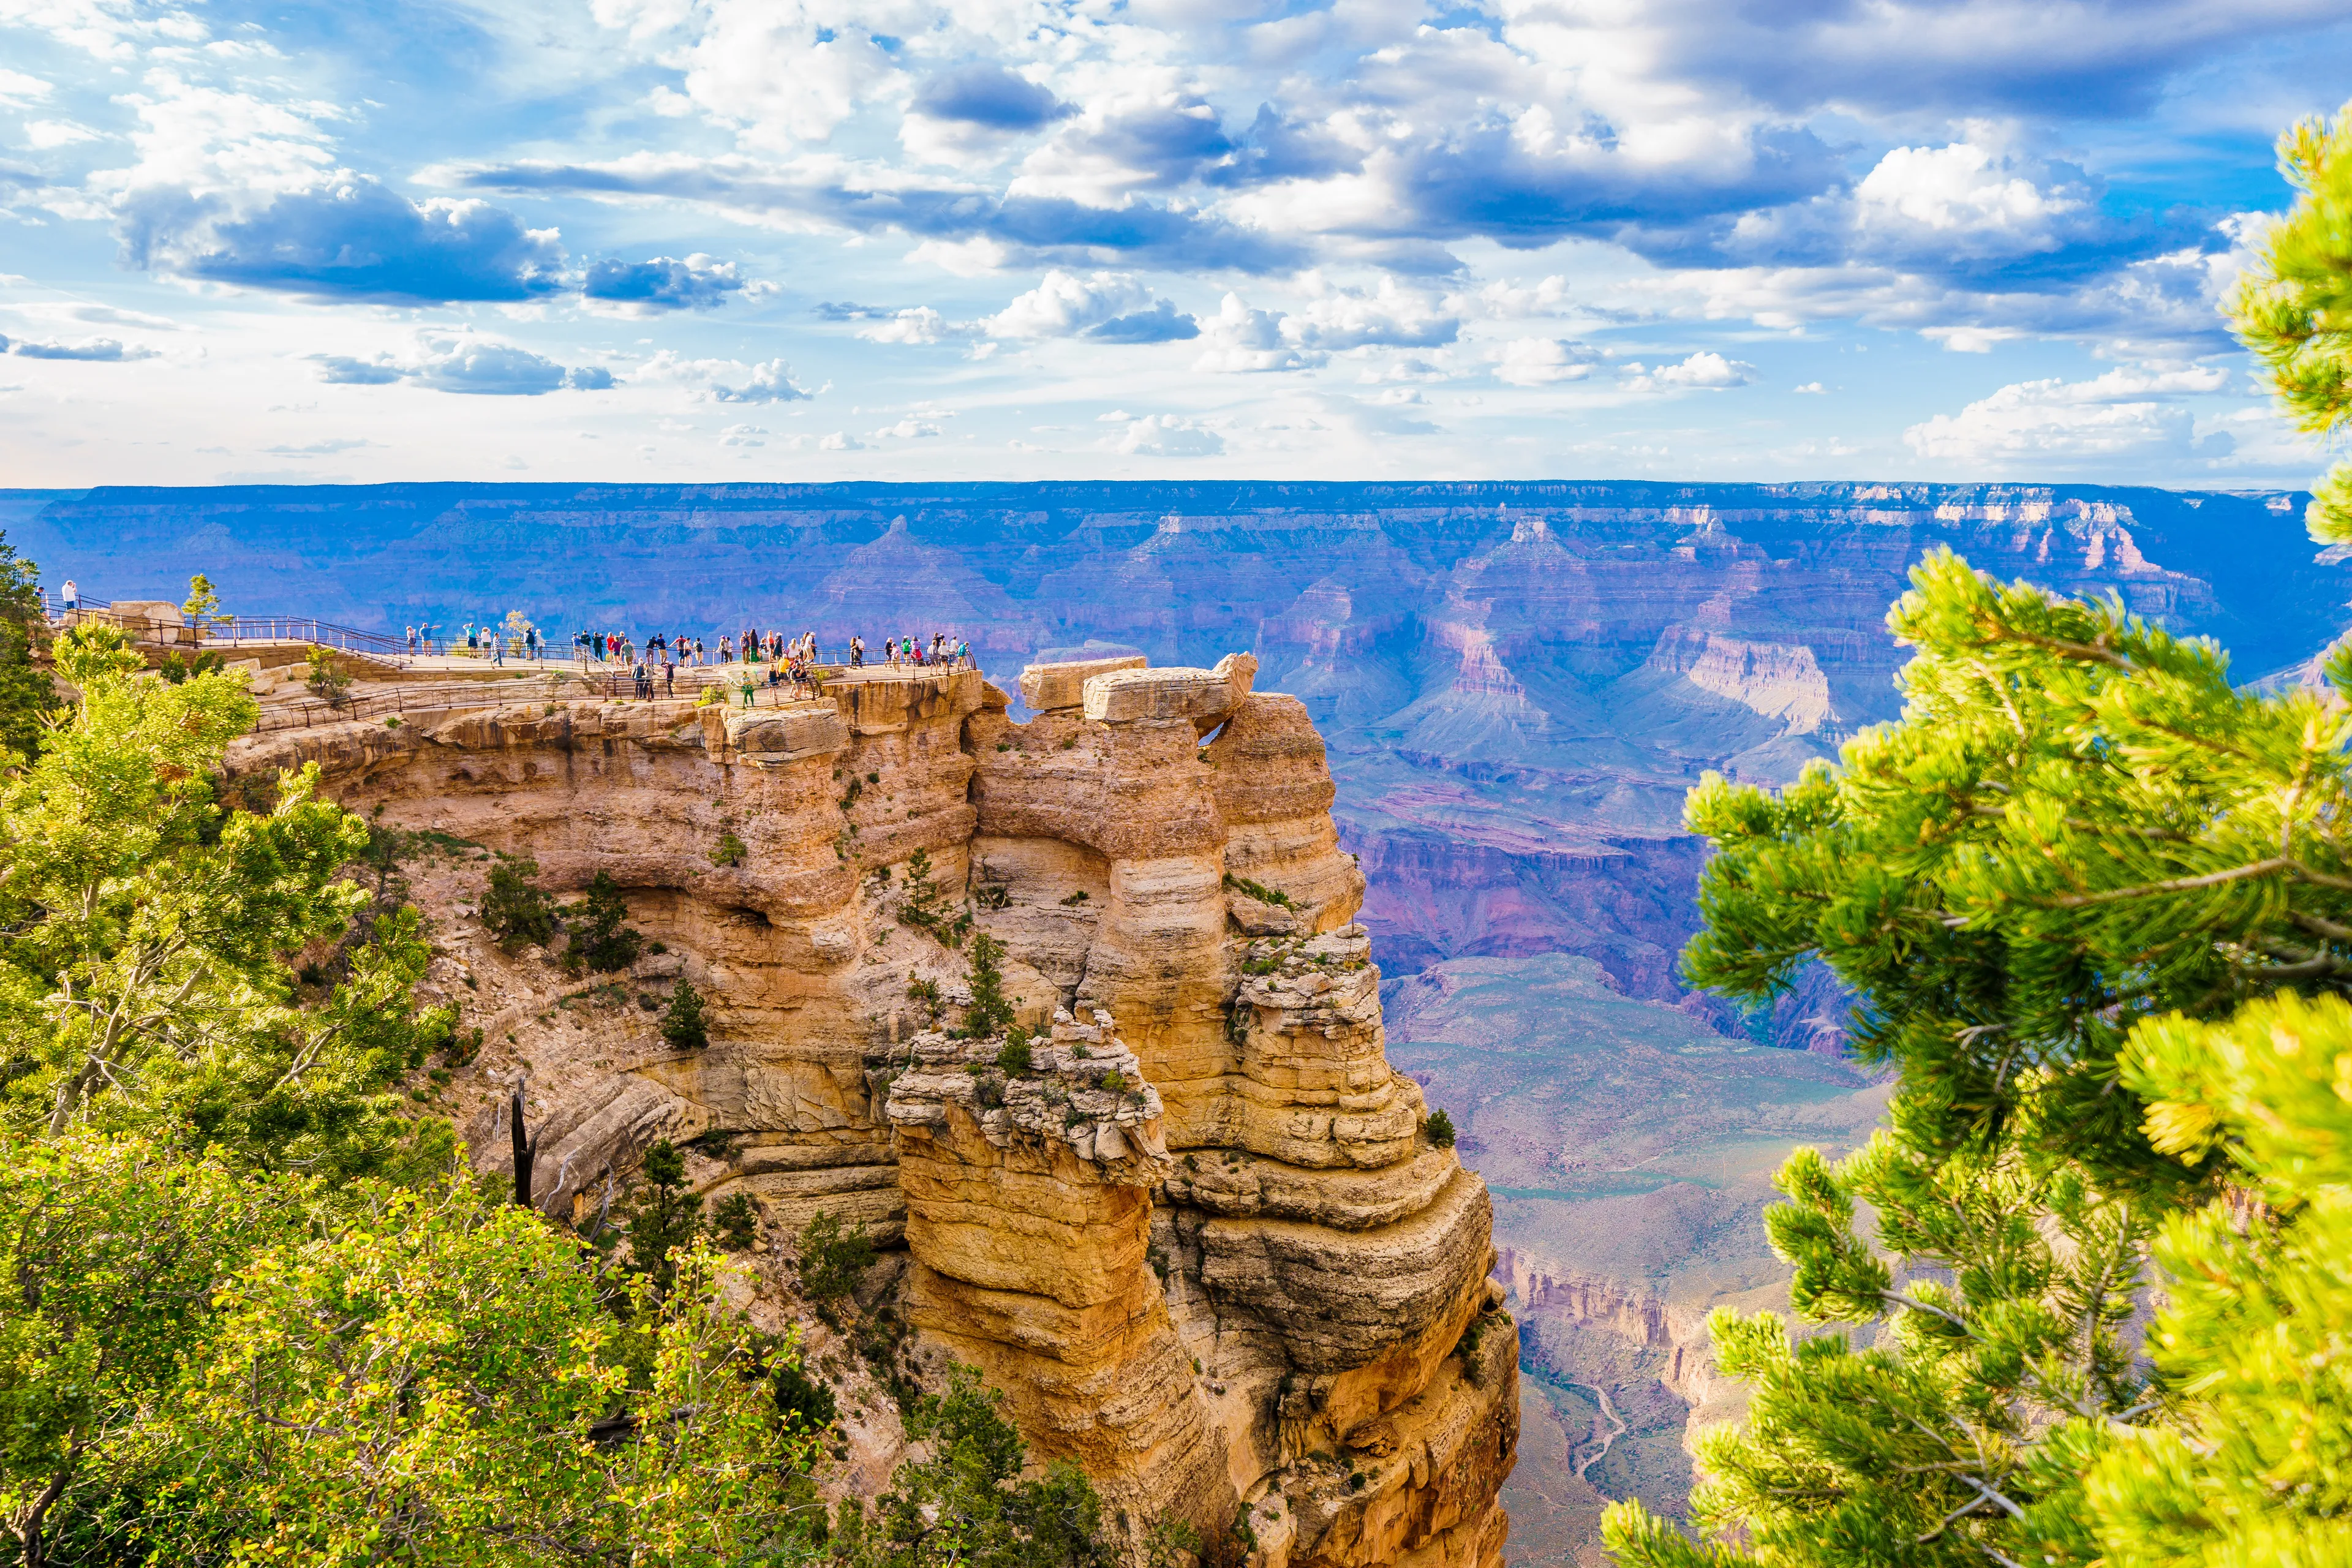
point(1197, 1234)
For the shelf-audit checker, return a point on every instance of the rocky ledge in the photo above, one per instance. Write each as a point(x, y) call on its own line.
point(1186, 1217)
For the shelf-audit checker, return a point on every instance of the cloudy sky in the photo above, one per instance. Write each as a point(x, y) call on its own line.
point(820, 239)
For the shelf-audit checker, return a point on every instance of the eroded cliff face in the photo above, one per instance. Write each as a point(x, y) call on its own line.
point(1200, 1242)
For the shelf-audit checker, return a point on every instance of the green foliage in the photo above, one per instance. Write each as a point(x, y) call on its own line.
point(2293, 306)
point(990, 1011)
point(1075, 899)
point(966, 1506)
point(176, 1359)
point(805, 1404)
point(832, 1259)
point(515, 908)
point(326, 681)
point(731, 850)
point(2053, 885)
point(504, 1409)
point(1259, 890)
point(202, 603)
point(176, 667)
point(1438, 1127)
point(920, 904)
point(29, 697)
point(682, 1023)
point(599, 941)
point(736, 1223)
point(1113, 1081)
point(142, 981)
point(665, 1219)
point(1016, 1055)
point(2255, 1466)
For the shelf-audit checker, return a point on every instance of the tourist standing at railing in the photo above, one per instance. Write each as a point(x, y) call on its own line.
point(70, 597)
point(856, 653)
point(669, 677)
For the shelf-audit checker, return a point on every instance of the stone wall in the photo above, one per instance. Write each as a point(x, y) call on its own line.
point(1200, 1242)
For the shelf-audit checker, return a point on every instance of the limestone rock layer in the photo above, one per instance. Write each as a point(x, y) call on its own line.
point(1198, 1236)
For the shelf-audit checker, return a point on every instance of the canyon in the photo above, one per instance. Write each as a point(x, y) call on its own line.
point(1197, 1234)
point(1514, 685)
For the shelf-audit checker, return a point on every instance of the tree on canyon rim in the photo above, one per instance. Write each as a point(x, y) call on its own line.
point(2096, 907)
point(215, 1202)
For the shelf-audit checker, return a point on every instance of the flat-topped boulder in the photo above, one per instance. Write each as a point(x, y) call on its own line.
point(1203, 695)
point(1048, 688)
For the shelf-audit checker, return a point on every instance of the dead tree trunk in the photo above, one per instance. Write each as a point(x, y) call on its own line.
point(524, 1148)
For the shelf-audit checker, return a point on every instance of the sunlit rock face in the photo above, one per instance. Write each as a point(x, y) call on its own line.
point(1200, 1239)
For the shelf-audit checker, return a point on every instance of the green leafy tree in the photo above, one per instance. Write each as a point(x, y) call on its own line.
point(600, 939)
point(515, 908)
point(142, 930)
point(966, 1504)
point(29, 697)
point(682, 1022)
point(114, 1248)
point(438, 1380)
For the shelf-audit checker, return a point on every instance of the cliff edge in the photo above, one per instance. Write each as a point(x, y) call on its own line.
point(1201, 1241)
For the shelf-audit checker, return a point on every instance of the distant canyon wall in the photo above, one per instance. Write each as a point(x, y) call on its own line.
point(1519, 681)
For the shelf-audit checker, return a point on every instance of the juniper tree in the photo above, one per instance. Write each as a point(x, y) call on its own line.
point(2075, 890)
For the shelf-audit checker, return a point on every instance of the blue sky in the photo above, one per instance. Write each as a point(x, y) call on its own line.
point(669, 240)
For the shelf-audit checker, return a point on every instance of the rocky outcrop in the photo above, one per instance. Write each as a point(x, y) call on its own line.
point(1183, 1215)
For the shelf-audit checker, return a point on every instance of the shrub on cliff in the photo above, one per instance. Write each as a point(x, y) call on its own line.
point(990, 1012)
point(665, 1218)
point(599, 939)
point(681, 1022)
point(327, 682)
point(1439, 1127)
point(966, 1502)
point(2078, 889)
point(515, 908)
point(832, 1259)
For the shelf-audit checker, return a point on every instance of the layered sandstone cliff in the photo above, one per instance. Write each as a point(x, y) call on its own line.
point(1199, 1240)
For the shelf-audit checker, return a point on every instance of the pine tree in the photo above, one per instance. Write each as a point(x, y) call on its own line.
point(2075, 890)
point(990, 1011)
point(29, 697)
point(667, 1220)
point(682, 1024)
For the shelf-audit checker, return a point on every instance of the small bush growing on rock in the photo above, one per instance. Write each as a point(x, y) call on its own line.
point(991, 1009)
point(667, 1218)
point(1440, 1129)
point(682, 1025)
point(1259, 890)
point(925, 993)
point(736, 1222)
point(515, 908)
point(1075, 899)
point(971, 1491)
point(599, 940)
point(1115, 1081)
point(993, 896)
point(327, 683)
point(803, 1399)
point(832, 1259)
point(1015, 1057)
point(731, 850)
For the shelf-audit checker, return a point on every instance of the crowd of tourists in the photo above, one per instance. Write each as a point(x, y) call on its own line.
point(760, 658)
